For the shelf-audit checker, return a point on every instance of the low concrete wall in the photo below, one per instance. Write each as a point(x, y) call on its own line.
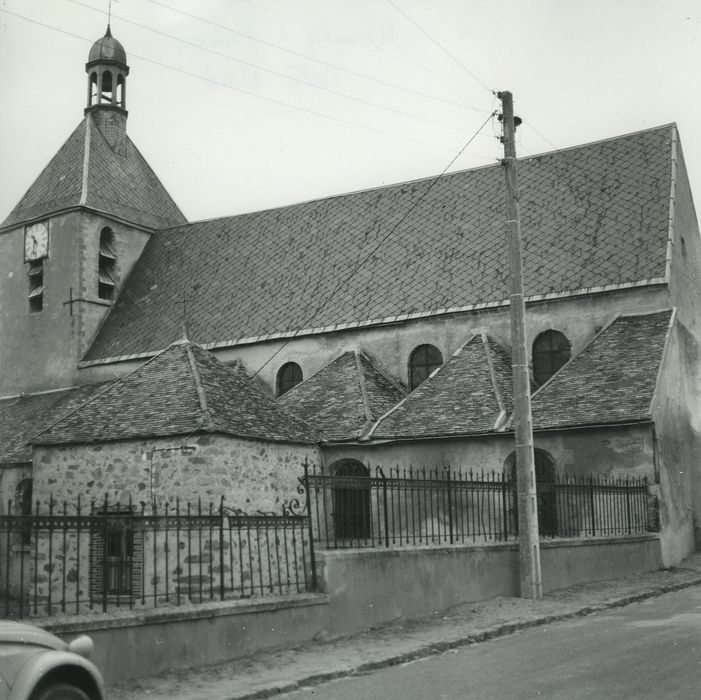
point(137, 644)
point(566, 563)
point(361, 588)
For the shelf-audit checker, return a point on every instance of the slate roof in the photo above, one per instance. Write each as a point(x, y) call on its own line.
point(182, 390)
point(87, 172)
point(344, 398)
point(592, 216)
point(22, 417)
point(471, 393)
point(612, 380)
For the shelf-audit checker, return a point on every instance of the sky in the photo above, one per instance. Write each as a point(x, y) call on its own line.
point(242, 105)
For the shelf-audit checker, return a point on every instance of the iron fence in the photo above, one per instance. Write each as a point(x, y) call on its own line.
point(352, 508)
point(71, 559)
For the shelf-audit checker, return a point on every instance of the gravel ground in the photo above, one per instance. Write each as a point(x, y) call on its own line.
point(269, 673)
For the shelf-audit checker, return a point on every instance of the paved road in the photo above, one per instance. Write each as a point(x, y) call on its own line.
point(646, 650)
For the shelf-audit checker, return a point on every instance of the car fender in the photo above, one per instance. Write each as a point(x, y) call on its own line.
point(39, 665)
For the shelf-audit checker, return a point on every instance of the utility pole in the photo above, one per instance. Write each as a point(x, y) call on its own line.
point(529, 544)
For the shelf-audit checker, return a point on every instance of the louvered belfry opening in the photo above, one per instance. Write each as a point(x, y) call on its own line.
point(107, 265)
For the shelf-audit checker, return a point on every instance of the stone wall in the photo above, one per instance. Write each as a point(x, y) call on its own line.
point(251, 475)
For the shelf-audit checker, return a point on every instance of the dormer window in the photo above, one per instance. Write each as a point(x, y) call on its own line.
point(107, 264)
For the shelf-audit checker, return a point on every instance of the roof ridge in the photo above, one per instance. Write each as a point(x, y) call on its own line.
point(428, 178)
point(86, 162)
point(672, 203)
point(158, 180)
point(665, 350)
point(391, 380)
point(363, 389)
point(199, 388)
point(501, 418)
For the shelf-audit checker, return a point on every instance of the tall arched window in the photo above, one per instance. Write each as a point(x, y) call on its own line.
point(351, 500)
point(289, 375)
point(545, 491)
point(107, 263)
point(422, 361)
point(551, 350)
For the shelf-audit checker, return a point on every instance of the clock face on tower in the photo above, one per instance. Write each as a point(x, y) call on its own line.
point(36, 241)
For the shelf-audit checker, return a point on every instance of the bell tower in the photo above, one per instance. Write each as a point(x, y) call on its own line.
point(107, 71)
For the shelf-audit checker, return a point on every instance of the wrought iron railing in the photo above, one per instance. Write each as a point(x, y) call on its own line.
point(71, 559)
point(402, 507)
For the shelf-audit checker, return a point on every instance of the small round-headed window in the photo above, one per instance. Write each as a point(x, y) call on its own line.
point(551, 350)
point(422, 361)
point(288, 376)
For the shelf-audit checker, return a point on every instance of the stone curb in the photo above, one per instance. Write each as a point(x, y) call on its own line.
point(440, 647)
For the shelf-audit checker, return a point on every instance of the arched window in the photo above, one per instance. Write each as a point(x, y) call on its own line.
point(106, 266)
point(120, 101)
point(422, 361)
point(288, 375)
point(545, 491)
point(106, 87)
point(94, 96)
point(351, 500)
point(551, 350)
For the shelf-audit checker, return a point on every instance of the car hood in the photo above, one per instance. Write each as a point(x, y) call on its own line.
point(19, 633)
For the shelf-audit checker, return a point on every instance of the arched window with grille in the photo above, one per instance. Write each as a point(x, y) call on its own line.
point(106, 266)
point(423, 360)
point(545, 477)
point(351, 500)
point(551, 350)
point(288, 376)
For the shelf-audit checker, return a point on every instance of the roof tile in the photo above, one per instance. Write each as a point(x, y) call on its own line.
point(591, 216)
point(182, 390)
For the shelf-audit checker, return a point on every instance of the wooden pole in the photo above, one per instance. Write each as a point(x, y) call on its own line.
point(529, 545)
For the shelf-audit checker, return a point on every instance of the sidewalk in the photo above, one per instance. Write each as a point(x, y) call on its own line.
point(270, 673)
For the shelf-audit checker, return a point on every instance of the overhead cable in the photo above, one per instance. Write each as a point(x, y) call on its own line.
point(441, 47)
point(343, 282)
point(275, 72)
point(310, 58)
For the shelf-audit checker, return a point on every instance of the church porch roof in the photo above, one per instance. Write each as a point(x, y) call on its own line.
point(181, 391)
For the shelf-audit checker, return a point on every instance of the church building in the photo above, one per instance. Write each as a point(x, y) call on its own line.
point(144, 356)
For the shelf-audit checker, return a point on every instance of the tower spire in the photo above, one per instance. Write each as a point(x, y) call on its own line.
point(107, 71)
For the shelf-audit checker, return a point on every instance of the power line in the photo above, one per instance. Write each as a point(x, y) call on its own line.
point(274, 72)
point(243, 91)
point(344, 39)
point(414, 61)
point(342, 283)
point(542, 136)
point(441, 47)
point(310, 58)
